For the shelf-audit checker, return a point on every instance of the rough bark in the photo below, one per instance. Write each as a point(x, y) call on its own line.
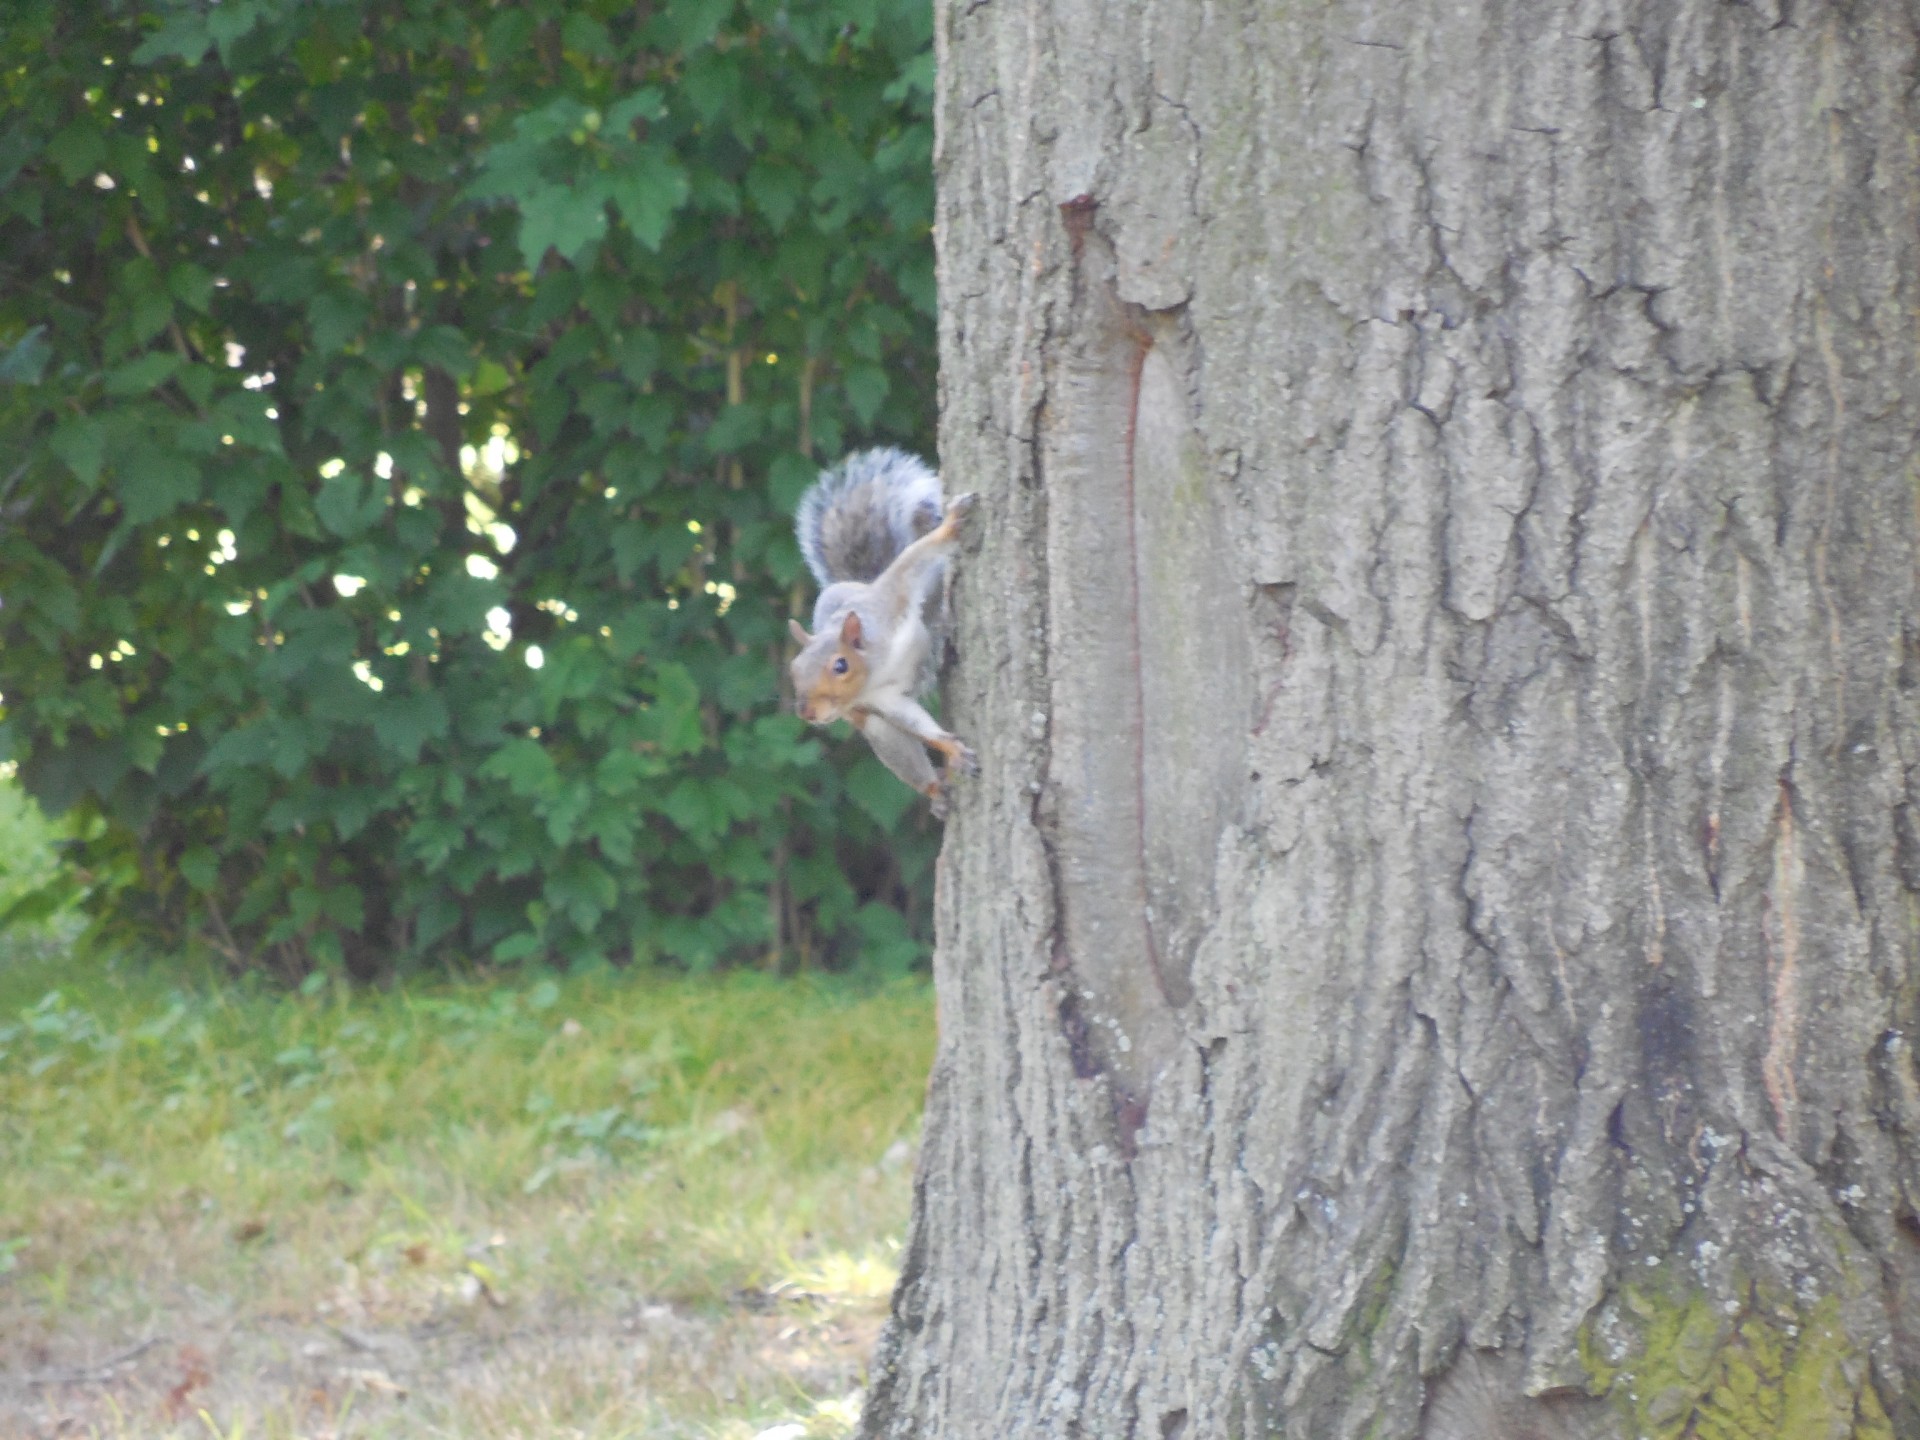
point(1434, 948)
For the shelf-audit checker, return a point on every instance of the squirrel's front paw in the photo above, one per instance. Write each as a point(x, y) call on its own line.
point(936, 794)
point(958, 509)
point(962, 761)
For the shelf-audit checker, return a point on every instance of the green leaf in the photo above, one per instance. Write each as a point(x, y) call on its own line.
point(565, 219)
point(407, 721)
point(185, 36)
point(191, 285)
point(582, 889)
point(879, 792)
point(524, 764)
point(26, 360)
point(200, 866)
point(489, 378)
point(648, 189)
point(776, 188)
point(230, 22)
point(79, 150)
point(867, 387)
point(523, 946)
point(142, 373)
point(335, 318)
point(82, 442)
point(584, 36)
point(692, 806)
point(688, 24)
point(646, 103)
point(736, 427)
point(446, 347)
point(350, 504)
point(915, 76)
point(152, 483)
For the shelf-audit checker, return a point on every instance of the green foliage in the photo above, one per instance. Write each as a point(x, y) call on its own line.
point(406, 401)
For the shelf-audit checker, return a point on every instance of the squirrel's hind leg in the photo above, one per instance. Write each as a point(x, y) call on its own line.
point(912, 717)
point(904, 755)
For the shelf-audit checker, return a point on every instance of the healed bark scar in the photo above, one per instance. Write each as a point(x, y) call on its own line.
point(1142, 344)
point(1150, 680)
point(1783, 960)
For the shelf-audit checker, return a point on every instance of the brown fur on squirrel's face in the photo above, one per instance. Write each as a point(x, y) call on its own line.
point(830, 672)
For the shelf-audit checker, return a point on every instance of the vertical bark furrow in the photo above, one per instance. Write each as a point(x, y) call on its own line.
point(1495, 660)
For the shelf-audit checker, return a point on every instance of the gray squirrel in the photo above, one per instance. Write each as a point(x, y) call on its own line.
point(876, 535)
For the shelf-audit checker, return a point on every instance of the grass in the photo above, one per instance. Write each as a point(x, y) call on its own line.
point(595, 1206)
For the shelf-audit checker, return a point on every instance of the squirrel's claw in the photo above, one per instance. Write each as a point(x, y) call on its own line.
point(936, 794)
point(962, 761)
point(958, 509)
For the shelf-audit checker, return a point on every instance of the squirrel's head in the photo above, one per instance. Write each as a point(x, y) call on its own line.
point(830, 672)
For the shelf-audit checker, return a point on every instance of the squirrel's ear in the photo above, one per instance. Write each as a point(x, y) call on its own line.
point(850, 629)
point(799, 633)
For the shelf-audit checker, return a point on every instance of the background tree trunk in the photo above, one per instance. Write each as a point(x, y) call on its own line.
point(1435, 939)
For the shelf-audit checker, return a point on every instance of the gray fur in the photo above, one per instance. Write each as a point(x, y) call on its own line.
point(864, 511)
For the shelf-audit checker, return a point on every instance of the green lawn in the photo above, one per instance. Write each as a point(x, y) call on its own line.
point(606, 1205)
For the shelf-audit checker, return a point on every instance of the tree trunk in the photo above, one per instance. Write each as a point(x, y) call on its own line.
point(1434, 949)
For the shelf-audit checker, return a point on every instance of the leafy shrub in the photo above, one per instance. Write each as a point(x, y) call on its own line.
point(407, 400)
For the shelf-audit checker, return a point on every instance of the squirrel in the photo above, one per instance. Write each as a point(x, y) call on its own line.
point(876, 535)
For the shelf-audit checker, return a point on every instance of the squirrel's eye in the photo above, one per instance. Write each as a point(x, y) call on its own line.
point(839, 664)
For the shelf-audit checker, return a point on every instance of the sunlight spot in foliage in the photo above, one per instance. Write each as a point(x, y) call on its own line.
point(383, 465)
point(491, 459)
point(363, 672)
point(536, 657)
point(332, 468)
point(349, 585)
point(482, 519)
point(481, 568)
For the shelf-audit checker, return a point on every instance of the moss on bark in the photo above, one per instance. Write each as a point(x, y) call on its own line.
point(1688, 1370)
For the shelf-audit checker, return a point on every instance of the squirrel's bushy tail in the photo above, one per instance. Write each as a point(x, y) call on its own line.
point(864, 511)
